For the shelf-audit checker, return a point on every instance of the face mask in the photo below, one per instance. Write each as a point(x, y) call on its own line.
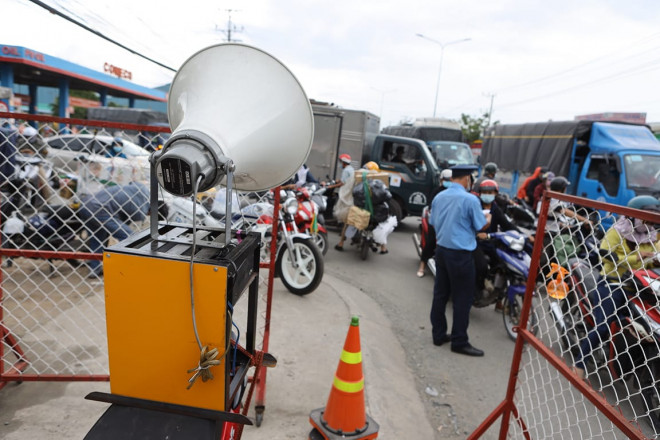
point(487, 198)
point(446, 183)
point(116, 149)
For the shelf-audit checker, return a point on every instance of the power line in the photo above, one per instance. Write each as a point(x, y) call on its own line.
point(587, 63)
point(649, 66)
point(97, 33)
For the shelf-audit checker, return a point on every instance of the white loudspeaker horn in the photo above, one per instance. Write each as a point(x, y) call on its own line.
point(233, 106)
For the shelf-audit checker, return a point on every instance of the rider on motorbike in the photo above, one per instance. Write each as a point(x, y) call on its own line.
point(487, 191)
point(430, 240)
point(631, 243)
point(377, 197)
point(302, 177)
point(345, 199)
point(565, 229)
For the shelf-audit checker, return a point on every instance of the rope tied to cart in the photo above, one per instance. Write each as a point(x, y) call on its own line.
point(207, 359)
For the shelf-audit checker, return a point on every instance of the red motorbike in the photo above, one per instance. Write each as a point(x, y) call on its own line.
point(309, 218)
point(420, 239)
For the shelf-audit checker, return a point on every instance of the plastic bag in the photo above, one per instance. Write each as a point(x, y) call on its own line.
point(384, 229)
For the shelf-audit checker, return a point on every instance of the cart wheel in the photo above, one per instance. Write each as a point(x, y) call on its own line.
point(259, 412)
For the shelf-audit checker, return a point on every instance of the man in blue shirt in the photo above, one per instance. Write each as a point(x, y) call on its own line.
point(457, 216)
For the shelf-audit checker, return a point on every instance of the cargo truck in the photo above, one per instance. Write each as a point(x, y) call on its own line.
point(354, 132)
point(444, 138)
point(605, 161)
point(337, 131)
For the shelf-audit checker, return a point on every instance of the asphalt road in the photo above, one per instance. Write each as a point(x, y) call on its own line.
point(468, 389)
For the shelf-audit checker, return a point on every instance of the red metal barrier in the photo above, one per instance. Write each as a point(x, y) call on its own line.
point(527, 340)
point(16, 369)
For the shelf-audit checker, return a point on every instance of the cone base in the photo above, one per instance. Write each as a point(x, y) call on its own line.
point(321, 432)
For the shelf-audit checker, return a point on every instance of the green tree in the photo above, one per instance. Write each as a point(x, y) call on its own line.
point(473, 127)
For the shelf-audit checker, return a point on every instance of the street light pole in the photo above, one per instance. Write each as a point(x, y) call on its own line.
point(442, 54)
point(382, 99)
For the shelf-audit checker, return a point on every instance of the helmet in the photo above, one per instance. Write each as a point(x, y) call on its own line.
point(490, 168)
point(345, 158)
point(559, 183)
point(488, 185)
point(548, 175)
point(647, 203)
point(29, 131)
point(446, 174)
point(371, 165)
point(118, 141)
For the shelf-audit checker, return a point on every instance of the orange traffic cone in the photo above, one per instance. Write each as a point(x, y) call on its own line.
point(344, 415)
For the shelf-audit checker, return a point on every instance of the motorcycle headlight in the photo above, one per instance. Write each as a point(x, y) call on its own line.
point(515, 242)
point(291, 206)
point(518, 244)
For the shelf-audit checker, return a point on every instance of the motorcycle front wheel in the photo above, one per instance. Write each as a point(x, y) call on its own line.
point(365, 245)
point(650, 390)
point(511, 316)
point(417, 242)
point(321, 240)
point(570, 326)
point(307, 276)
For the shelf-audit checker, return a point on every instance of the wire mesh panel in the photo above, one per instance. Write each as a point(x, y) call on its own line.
point(593, 368)
point(68, 190)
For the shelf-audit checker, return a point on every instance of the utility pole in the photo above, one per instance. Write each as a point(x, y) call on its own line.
point(231, 27)
point(382, 99)
point(490, 112)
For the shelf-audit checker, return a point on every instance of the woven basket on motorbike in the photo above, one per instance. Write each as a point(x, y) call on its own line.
point(358, 217)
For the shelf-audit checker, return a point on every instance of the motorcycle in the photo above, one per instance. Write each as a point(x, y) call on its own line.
point(298, 261)
point(180, 210)
point(309, 218)
point(518, 212)
point(364, 239)
point(419, 239)
point(52, 228)
point(507, 278)
point(633, 351)
point(22, 190)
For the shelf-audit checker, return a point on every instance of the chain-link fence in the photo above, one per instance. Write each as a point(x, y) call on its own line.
point(68, 189)
point(593, 368)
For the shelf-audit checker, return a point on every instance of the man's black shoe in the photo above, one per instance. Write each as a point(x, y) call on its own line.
point(468, 350)
point(442, 340)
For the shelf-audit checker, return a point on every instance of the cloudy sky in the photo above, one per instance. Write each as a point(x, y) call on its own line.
point(538, 60)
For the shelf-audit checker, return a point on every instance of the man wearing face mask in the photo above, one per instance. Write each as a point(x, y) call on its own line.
point(116, 149)
point(487, 191)
point(457, 216)
point(429, 240)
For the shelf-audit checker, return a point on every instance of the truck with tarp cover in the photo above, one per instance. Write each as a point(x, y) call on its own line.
point(150, 140)
point(605, 161)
